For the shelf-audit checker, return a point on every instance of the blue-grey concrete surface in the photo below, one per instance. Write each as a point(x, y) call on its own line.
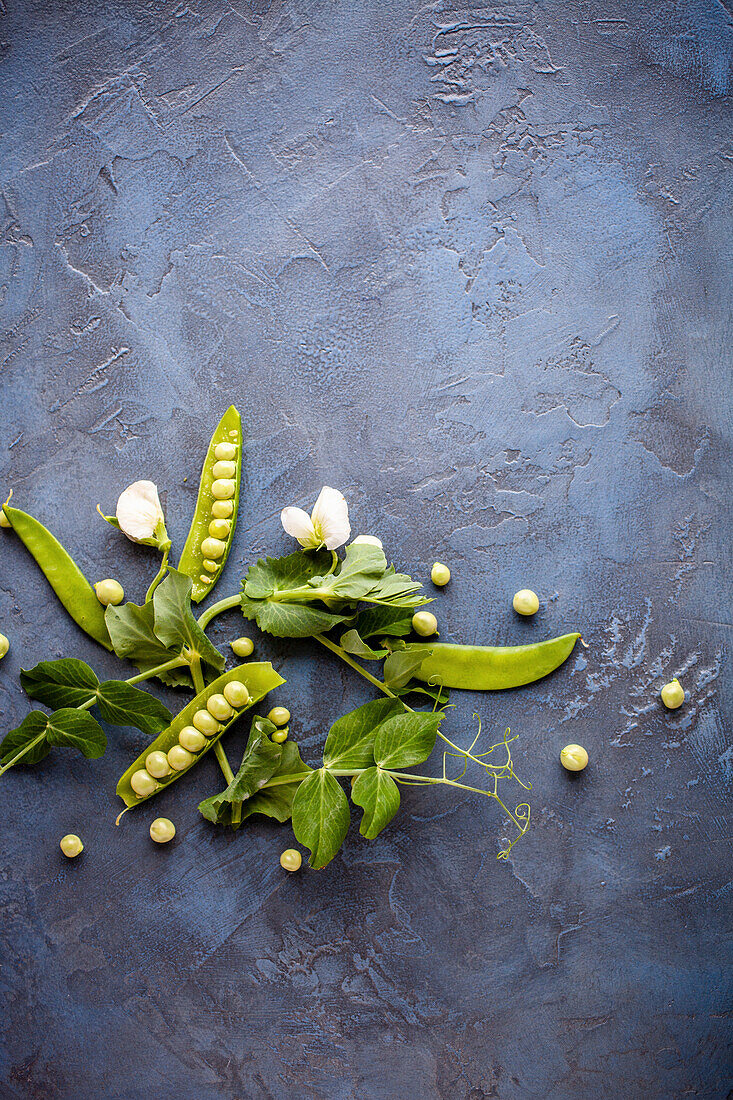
point(470, 263)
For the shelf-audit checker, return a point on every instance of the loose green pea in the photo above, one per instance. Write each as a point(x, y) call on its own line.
point(179, 758)
point(213, 548)
point(109, 592)
point(219, 707)
point(224, 469)
point(4, 646)
point(162, 830)
point(279, 736)
point(673, 695)
point(573, 758)
point(209, 565)
point(191, 739)
point(279, 716)
point(224, 452)
point(219, 528)
point(222, 509)
point(526, 602)
point(71, 845)
point(236, 693)
point(143, 783)
point(291, 859)
point(223, 489)
point(242, 647)
point(440, 574)
point(157, 764)
point(205, 723)
point(424, 623)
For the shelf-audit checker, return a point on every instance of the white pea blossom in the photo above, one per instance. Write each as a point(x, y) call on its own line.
point(327, 525)
point(140, 515)
point(368, 540)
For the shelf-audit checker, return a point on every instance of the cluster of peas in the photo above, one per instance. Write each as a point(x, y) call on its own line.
point(223, 490)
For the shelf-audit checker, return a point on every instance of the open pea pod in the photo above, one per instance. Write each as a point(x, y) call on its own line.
point(490, 668)
point(62, 573)
point(257, 677)
point(212, 528)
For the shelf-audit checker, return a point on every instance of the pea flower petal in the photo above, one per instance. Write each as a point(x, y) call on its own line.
point(328, 524)
point(139, 513)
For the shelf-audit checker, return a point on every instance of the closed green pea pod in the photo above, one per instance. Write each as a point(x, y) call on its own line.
point(62, 573)
point(259, 678)
point(218, 501)
point(491, 668)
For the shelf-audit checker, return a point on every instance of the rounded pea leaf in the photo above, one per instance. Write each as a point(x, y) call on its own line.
point(402, 665)
point(350, 741)
point(122, 704)
point(21, 740)
point(379, 796)
point(65, 683)
point(406, 739)
point(320, 816)
point(76, 729)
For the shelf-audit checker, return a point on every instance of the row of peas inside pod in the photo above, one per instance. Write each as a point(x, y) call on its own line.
point(221, 707)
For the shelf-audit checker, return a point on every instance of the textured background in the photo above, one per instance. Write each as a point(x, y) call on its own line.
point(471, 264)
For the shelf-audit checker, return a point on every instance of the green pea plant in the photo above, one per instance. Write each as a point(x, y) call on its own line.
point(355, 605)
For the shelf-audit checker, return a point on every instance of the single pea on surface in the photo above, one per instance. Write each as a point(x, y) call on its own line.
point(280, 736)
point(71, 845)
point(440, 574)
point(4, 646)
point(573, 758)
point(424, 623)
point(279, 716)
point(673, 694)
point(291, 859)
point(162, 830)
point(526, 602)
point(109, 592)
point(242, 647)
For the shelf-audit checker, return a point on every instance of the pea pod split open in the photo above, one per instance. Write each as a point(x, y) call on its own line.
point(62, 573)
point(491, 668)
point(212, 528)
point(199, 726)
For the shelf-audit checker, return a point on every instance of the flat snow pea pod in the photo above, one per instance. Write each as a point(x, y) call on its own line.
point(224, 456)
point(491, 668)
point(257, 677)
point(62, 573)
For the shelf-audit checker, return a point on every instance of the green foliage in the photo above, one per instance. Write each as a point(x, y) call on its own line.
point(350, 742)
point(38, 732)
point(401, 666)
point(320, 816)
point(72, 683)
point(406, 739)
point(379, 796)
point(351, 642)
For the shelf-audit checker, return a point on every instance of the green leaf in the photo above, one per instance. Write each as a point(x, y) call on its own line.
point(174, 622)
point(401, 665)
point(76, 729)
point(276, 799)
point(33, 726)
point(290, 620)
point(320, 816)
point(131, 629)
point(350, 741)
point(360, 572)
point(406, 739)
point(64, 683)
point(260, 760)
point(381, 621)
point(272, 575)
point(438, 693)
point(397, 590)
point(353, 643)
point(123, 704)
point(379, 796)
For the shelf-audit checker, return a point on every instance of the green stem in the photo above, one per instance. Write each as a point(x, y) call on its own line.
point(159, 575)
point(221, 756)
point(19, 755)
point(176, 662)
point(356, 667)
point(217, 609)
